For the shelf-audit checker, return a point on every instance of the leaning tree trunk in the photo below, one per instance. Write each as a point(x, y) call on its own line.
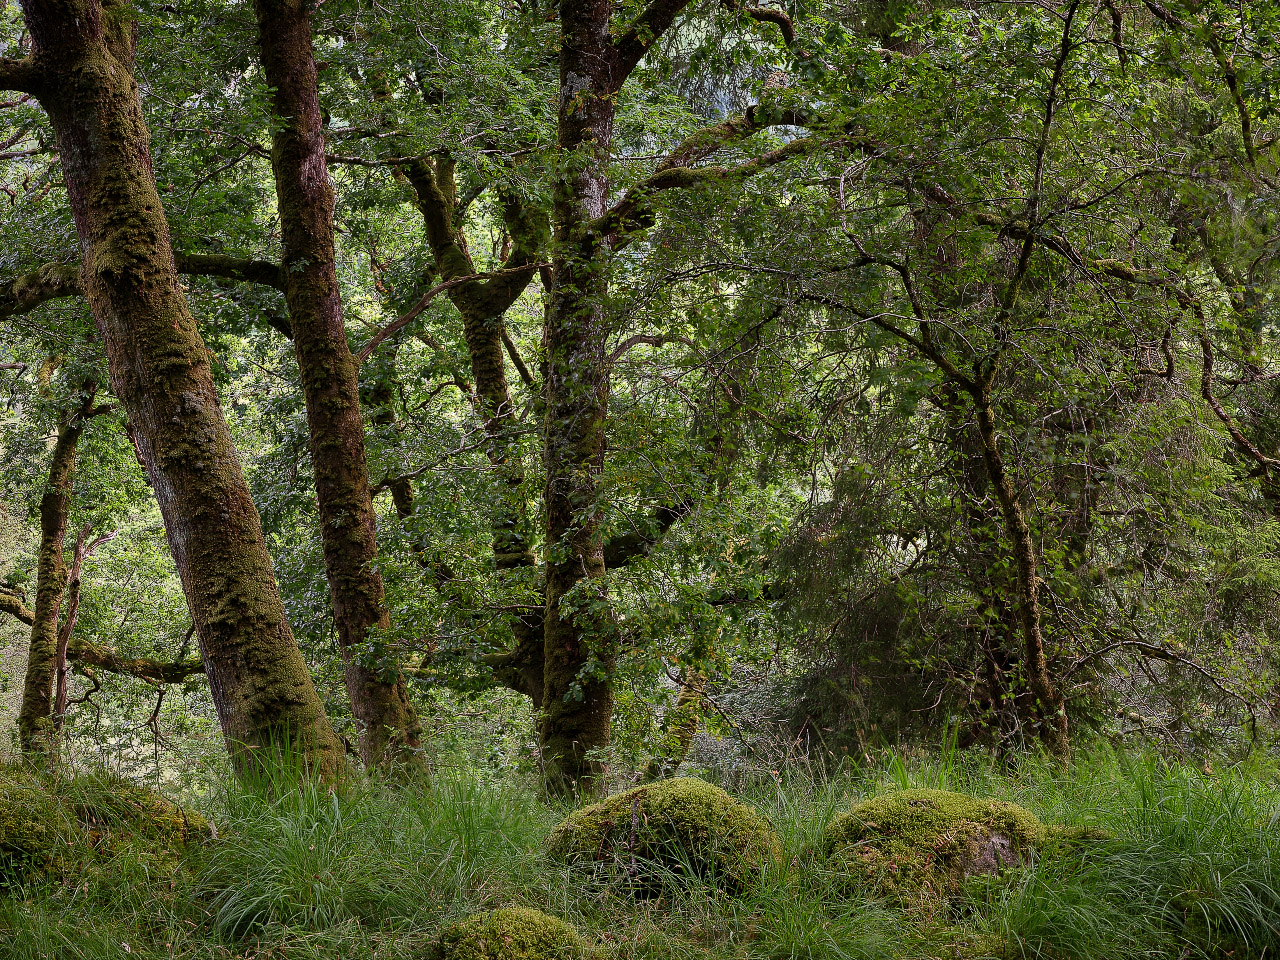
point(81, 71)
point(35, 729)
point(389, 729)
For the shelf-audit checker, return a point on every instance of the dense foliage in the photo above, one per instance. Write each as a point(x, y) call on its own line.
point(916, 373)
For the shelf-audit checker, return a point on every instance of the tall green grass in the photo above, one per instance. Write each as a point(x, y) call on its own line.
point(374, 869)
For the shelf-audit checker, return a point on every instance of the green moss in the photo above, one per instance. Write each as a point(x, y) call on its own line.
point(33, 832)
point(672, 826)
point(956, 943)
point(918, 846)
point(515, 933)
point(48, 824)
point(115, 806)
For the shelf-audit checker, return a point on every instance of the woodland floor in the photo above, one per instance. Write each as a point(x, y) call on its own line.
point(376, 870)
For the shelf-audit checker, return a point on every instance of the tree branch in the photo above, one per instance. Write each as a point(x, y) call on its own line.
point(424, 301)
point(12, 604)
point(19, 74)
point(644, 31)
point(632, 213)
point(240, 269)
point(144, 668)
point(55, 281)
point(767, 15)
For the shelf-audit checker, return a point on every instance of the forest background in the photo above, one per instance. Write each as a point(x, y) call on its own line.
point(418, 419)
point(828, 376)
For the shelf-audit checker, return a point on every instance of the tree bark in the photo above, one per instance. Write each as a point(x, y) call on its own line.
point(35, 729)
point(1052, 709)
point(389, 728)
point(81, 71)
point(579, 660)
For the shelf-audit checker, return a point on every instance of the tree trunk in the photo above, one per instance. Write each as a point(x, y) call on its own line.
point(81, 71)
point(35, 730)
point(681, 725)
point(1050, 706)
point(483, 303)
point(577, 700)
point(389, 729)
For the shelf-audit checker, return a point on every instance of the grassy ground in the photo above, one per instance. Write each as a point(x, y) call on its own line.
point(374, 871)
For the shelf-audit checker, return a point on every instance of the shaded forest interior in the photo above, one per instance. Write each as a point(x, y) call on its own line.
point(648, 479)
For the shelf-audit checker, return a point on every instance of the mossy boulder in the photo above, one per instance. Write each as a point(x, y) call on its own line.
point(34, 833)
point(50, 824)
point(116, 807)
point(514, 933)
point(919, 846)
point(670, 828)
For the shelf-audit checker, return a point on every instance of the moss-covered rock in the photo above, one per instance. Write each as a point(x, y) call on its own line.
point(918, 846)
point(112, 806)
point(48, 824)
point(34, 832)
point(672, 827)
point(515, 933)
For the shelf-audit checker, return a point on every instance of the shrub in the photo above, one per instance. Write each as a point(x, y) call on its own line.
point(672, 827)
point(918, 846)
point(515, 933)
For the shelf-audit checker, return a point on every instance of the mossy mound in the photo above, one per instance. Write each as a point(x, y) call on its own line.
point(110, 806)
point(48, 824)
point(956, 943)
point(34, 832)
point(515, 933)
point(918, 846)
point(671, 827)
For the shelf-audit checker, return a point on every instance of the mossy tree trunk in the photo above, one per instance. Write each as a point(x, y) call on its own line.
point(680, 726)
point(1050, 706)
point(389, 729)
point(483, 302)
point(596, 57)
point(577, 699)
point(81, 71)
point(35, 729)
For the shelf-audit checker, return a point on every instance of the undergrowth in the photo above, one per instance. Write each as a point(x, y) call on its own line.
point(378, 869)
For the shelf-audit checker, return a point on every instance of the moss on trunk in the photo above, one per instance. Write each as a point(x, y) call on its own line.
point(389, 728)
point(35, 716)
point(82, 73)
